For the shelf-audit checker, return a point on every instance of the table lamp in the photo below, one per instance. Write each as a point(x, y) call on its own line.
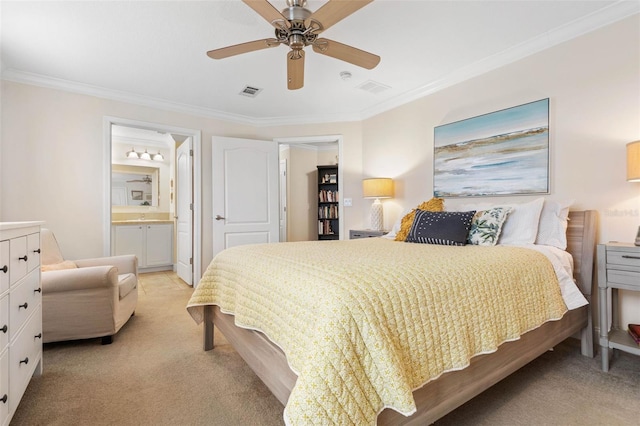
point(633, 170)
point(377, 188)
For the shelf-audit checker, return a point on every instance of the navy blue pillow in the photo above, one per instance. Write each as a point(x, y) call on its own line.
point(444, 228)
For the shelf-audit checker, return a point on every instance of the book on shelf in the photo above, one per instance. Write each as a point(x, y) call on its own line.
point(634, 332)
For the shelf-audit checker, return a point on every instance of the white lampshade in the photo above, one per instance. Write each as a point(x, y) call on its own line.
point(633, 161)
point(377, 188)
point(132, 154)
point(158, 157)
point(145, 155)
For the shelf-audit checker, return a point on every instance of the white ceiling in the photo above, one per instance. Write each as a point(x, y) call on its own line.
point(154, 53)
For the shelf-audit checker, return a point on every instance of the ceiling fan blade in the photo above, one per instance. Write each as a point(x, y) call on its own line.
point(334, 11)
point(346, 53)
point(295, 69)
point(237, 49)
point(268, 12)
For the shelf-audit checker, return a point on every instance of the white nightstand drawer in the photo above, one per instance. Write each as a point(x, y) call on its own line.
point(4, 323)
point(25, 354)
point(18, 259)
point(23, 300)
point(628, 278)
point(4, 386)
point(622, 258)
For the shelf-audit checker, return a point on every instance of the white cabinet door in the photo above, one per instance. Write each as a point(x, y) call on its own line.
point(129, 239)
point(159, 245)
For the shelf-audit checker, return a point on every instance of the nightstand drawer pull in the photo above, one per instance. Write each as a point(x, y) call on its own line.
point(4, 269)
point(37, 336)
point(24, 361)
point(25, 258)
point(4, 398)
point(4, 329)
point(24, 305)
point(628, 256)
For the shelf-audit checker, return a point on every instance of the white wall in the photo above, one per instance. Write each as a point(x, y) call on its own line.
point(52, 148)
point(593, 83)
point(53, 161)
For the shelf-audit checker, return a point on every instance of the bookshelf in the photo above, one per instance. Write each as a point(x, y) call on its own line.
point(328, 203)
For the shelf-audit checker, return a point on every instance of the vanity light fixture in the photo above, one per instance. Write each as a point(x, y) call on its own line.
point(158, 157)
point(132, 154)
point(145, 155)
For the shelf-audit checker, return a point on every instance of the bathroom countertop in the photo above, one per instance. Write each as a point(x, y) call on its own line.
point(139, 221)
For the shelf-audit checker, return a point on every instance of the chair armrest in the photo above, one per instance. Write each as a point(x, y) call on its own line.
point(127, 263)
point(79, 279)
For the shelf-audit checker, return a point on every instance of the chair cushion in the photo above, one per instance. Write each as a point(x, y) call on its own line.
point(126, 283)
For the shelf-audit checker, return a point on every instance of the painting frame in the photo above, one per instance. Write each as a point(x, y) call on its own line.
point(501, 153)
point(136, 195)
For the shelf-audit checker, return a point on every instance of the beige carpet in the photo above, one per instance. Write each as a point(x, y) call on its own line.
point(156, 373)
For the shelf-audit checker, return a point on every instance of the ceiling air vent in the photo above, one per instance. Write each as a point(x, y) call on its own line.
point(250, 91)
point(373, 87)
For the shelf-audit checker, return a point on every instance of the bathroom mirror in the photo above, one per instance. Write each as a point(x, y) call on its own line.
point(134, 186)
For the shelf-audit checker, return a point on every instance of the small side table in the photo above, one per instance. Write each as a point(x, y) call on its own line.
point(618, 268)
point(364, 233)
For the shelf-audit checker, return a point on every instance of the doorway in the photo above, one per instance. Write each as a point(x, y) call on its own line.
point(298, 186)
point(175, 136)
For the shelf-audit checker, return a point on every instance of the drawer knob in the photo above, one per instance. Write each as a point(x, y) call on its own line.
point(4, 269)
point(25, 258)
point(37, 251)
point(4, 398)
point(25, 305)
point(4, 328)
point(37, 290)
point(24, 361)
point(37, 336)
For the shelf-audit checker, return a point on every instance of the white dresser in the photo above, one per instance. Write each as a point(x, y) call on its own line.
point(20, 312)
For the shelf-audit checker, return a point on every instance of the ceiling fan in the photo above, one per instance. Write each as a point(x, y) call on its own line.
point(146, 179)
point(298, 27)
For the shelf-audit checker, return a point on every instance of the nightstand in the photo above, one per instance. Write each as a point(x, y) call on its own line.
point(618, 268)
point(364, 233)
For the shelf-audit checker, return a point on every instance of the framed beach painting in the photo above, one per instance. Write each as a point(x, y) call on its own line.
point(504, 152)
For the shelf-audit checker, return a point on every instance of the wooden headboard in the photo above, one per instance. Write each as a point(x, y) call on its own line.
point(581, 243)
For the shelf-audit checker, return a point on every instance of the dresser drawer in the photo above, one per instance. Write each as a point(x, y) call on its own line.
point(33, 251)
point(4, 323)
point(4, 386)
point(628, 278)
point(622, 258)
point(4, 266)
point(23, 300)
point(18, 259)
point(24, 355)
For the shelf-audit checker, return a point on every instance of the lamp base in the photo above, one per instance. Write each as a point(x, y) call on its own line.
point(377, 221)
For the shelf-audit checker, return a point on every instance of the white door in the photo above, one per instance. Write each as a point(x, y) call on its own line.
point(184, 211)
point(245, 192)
point(283, 200)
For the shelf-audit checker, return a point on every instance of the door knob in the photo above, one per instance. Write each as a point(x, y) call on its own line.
point(218, 217)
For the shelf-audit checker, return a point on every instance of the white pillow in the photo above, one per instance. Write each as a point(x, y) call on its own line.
point(552, 229)
point(521, 226)
point(396, 226)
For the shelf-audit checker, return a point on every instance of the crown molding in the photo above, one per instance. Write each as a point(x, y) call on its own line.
point(608, 15)
point(601, 18)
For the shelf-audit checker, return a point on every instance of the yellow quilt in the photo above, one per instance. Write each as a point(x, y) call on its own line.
point(365, 322)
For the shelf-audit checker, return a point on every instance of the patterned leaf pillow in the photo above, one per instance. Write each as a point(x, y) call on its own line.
point(486, 226)
point(444, 228)
point(434, 205)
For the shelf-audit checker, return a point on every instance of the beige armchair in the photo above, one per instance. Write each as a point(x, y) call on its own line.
point(86, 298)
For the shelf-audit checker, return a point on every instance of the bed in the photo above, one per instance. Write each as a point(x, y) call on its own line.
point(441, 392)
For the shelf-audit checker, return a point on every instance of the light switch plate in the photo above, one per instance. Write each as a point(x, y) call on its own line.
point(347, 202)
